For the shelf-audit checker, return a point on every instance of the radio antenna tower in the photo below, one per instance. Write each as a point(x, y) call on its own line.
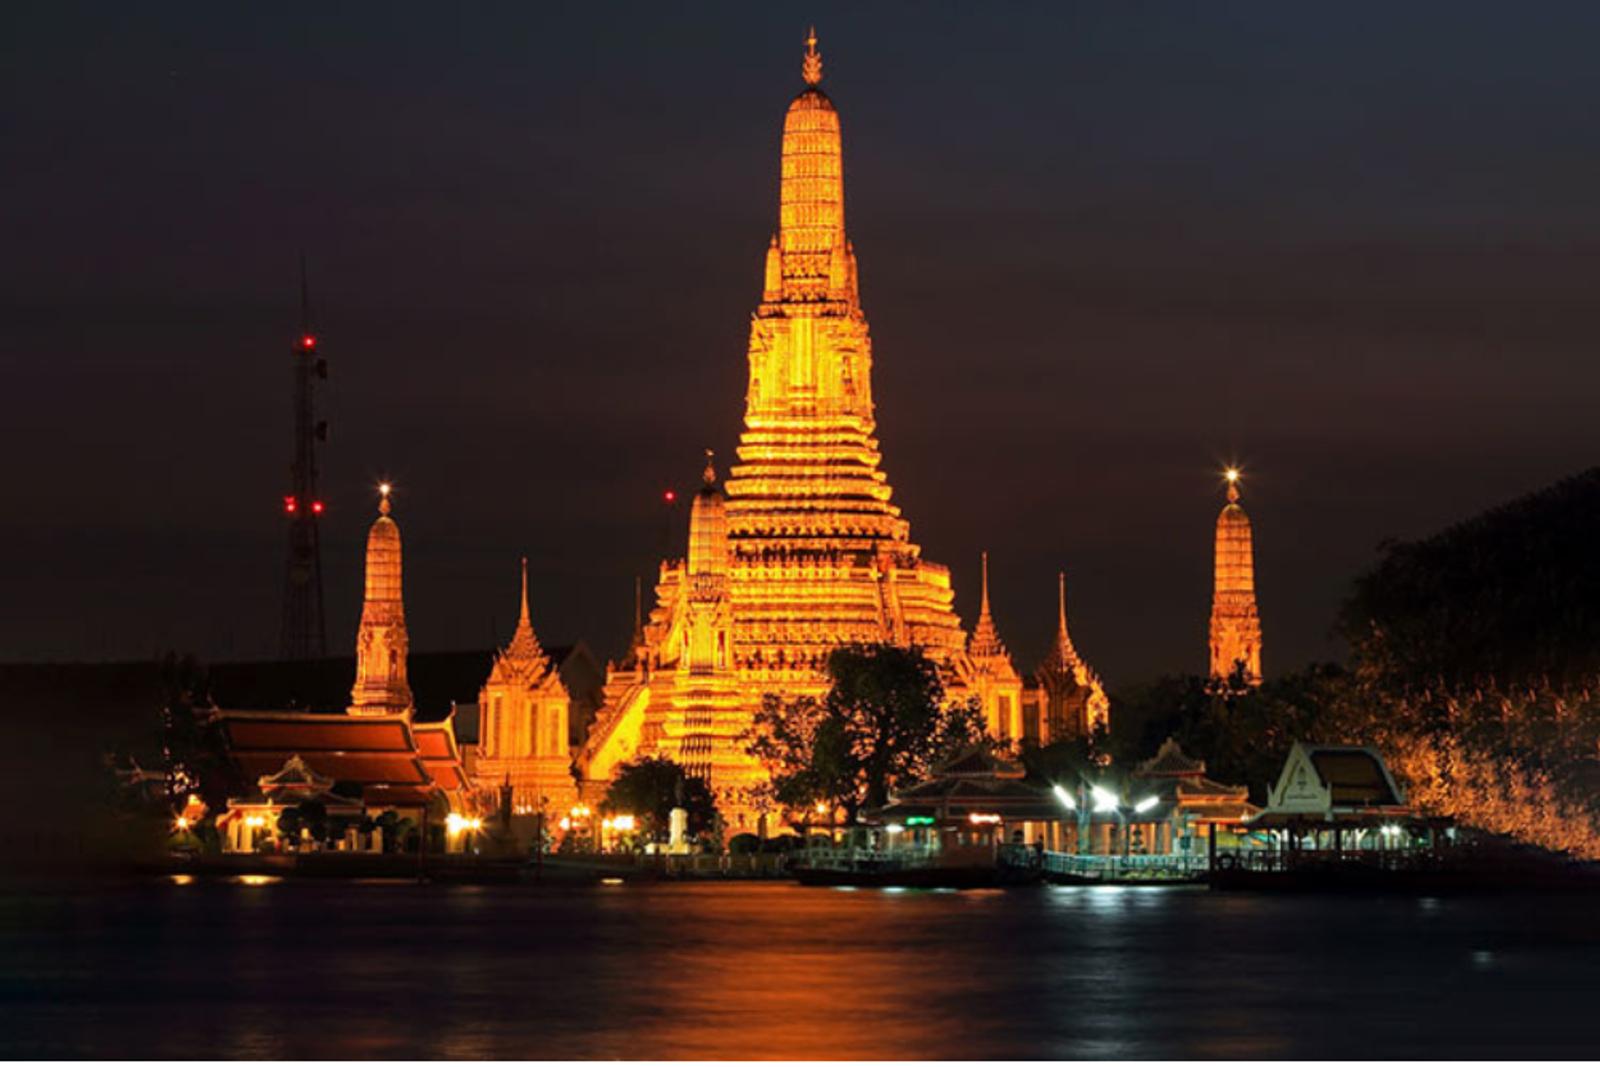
point(305, 634)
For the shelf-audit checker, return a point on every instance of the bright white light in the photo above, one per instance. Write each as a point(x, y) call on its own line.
point(1104, 799)
point(1147, 803)
point(623, 823)
point(454, 823)
point(894, 828)
point(1065, 798)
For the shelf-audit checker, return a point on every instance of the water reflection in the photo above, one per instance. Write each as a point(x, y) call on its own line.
point(292, 970)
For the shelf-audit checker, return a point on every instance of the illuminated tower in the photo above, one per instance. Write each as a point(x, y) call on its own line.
point(1070, 700)
point(523, 737)
point(304, 633)
point(381, 641)
point(994, 678)
point(1235, 623)
point(802, 551)
point(820, 555)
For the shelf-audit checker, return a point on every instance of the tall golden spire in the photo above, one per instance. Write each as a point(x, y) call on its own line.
point(1061, 651)
point(985, 635)
point(523, 658)
point(1235, 620)
point(381, 640)
point(815, 260)
point(811, 67)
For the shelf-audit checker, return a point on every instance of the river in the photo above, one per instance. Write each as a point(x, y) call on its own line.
point(754, 970)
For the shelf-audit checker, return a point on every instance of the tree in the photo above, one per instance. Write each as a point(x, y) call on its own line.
point(193, 749)
point(882, 725)
point(650, 787)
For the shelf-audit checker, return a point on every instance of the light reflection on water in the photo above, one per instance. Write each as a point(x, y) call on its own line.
point(342, 970)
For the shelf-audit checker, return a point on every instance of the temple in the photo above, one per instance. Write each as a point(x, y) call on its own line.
point(350, 767)
point(1066, 697)
point(1235, 622)
point(522, 728)
point(801, 549)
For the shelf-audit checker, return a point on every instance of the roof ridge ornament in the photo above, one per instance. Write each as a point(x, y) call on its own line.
point(811, 67)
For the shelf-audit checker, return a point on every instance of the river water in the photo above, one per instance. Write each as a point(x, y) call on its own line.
point(750, 970)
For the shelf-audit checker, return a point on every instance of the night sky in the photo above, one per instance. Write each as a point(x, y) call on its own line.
point(1104, 249)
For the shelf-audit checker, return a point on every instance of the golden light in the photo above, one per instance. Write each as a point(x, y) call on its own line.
point(257, 879)
point(255, 822)
point(623, 823)
point(454, 823)
point(183, 879)
point(983, 818)
point(180, 824)
point(565, 823)
point(822, 807)
point(1232, 474)
point(384, 489)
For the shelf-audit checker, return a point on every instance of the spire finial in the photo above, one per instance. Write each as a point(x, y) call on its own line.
point(1232, 474)
point(384, 489)
point(638, 610)
point(1061, 600)
point(984, 608)
point(709, 475)
point(811, 68)
point(523, 619)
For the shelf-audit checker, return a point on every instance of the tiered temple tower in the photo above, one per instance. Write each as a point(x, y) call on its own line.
point(1069, 700)
point(804, 551)
point(1235, 622)
point(995, 680)
point(523, 731)
point(381, 640)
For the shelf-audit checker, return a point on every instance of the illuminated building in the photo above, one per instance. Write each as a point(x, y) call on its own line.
point(802, 550)
point(994, 679)
point(373, 757)
point(1235, 623)
point(1065, 698)
point(522, 728)
point(381, 640)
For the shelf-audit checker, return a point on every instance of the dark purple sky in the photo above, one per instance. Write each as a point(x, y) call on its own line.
point(1103, 248)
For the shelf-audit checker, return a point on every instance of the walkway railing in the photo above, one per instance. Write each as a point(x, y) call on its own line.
point(1104, 868)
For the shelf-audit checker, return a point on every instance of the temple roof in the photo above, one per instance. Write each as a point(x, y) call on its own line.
point(1170, 760)
point(523, 659)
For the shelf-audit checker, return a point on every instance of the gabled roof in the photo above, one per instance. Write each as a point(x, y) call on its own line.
point(361, 750)
point(1170, 761)
point(1325, 779)
point(977, 763)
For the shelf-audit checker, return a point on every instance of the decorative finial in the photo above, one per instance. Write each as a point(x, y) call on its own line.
point(984, 608)
point(1061, 600)
point(709, 475)
point(811, 69)
point(1232, 474)
point(524, 620)
point(384, 489)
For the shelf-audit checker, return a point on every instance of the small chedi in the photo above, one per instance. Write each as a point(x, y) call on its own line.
point(1235, 622)
point(801, 550)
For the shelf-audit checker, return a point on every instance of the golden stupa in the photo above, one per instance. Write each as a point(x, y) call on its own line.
point(1235, 621)
point(801, 550)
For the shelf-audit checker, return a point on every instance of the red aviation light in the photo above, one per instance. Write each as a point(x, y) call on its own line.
point(316, 507)
point(670, 497)
point(308, 342)
point(288, 505)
